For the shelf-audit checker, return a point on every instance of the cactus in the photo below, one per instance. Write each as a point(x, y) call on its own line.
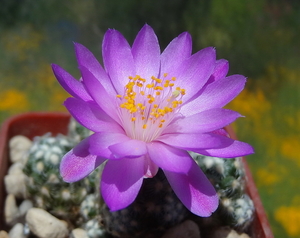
point(155, 209)
point(236, 208)
point(45, 185)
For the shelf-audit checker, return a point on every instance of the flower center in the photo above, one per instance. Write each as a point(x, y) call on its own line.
point(146, 108)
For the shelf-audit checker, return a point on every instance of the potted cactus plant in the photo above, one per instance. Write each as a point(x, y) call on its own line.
point(40, 124)
point(152, 133)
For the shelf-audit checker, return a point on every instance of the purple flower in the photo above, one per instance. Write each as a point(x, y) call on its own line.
point(147, 110)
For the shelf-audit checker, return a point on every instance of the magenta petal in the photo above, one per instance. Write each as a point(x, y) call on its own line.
point(78, 162)
point(91, 116)
point(195, 71)
point(87, 59)
point(70, 84)
point(121, 181)
point(100, 143)
point(205, 121)
point(220, 71)
point(150, 167)
point(179, 49)
point(235, 149)
point(118, 60)
point(169, 158)
point(191, 141)
point(106, 101)
point(216, 94)
point(146, 53)
point(194, 190)
point(129, 149)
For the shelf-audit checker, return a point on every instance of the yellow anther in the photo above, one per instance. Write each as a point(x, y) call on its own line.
point(133, 110)
point(136, 77)
point(150, 85)
point(144, 105)
point(158, 88)
point(158, 80)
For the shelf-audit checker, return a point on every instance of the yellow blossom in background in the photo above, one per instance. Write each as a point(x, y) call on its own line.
point(290, 148)
point(251, 104)
point(267, 177)
point(289, 218)
point(57, 99)
point(13, 100)
point(270, 174)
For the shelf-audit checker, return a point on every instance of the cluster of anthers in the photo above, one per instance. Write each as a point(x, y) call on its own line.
point(149, 106)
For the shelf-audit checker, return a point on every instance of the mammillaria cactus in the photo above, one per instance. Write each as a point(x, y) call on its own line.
point(227, 176)
point(45, 185)
point(155, 209)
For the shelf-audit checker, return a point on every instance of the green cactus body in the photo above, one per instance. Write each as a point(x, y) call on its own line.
point(156, 207)
point(45, 185)
point(227, 176)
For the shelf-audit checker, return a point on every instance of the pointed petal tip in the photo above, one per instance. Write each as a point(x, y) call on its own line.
point(209, 208)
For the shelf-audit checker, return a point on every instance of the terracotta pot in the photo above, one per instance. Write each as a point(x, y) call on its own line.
point(37, 124)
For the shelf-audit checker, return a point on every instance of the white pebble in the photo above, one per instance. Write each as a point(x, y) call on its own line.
point(3, 234)
point(16, 184)
point(79, 233)
point(25, 206)
point(226, 232)
point(11, 210)
point(44, 225)
point(17, 231)
point(19, 145)
point(16, 168)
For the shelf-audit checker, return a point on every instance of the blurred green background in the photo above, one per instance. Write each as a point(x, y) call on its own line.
point(260, 38)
